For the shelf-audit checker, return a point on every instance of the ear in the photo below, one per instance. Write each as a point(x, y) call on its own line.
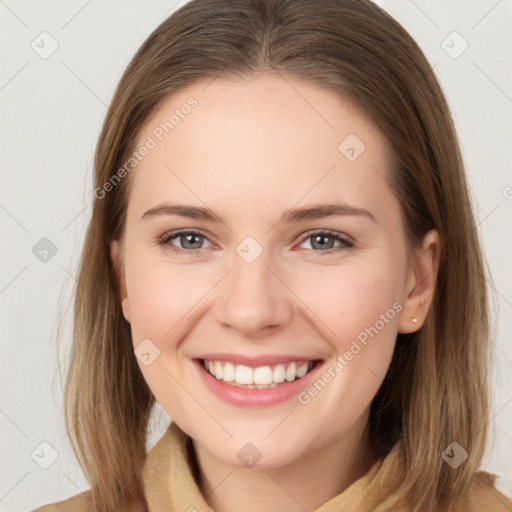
point(117, 256)
point(420, 283)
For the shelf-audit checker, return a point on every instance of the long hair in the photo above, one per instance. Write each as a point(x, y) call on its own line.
point(436, 389)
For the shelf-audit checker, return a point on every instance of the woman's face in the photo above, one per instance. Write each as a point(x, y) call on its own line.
point(278, 161)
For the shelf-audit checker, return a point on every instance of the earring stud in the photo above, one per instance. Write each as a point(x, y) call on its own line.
point(414, 320)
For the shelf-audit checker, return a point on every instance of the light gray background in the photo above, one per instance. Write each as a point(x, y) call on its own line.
point(51, 112)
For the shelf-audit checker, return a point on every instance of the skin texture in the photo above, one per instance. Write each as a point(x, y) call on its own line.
point(251, 150)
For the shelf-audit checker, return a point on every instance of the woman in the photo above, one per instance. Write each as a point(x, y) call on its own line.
point(322, 343)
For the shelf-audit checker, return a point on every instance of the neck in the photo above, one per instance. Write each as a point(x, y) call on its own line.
point(303, 484)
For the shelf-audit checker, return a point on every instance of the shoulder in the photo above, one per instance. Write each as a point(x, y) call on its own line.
point(77, 503)
point(486, 497)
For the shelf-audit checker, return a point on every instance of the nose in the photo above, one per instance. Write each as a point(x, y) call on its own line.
point(254, 299)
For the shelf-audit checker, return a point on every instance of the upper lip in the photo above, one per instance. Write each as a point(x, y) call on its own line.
point(254, 361)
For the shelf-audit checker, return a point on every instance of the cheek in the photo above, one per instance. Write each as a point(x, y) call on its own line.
point(163, 302)
point(166, 303)
point(160, 297)
point(349, 298)
point(357, 310)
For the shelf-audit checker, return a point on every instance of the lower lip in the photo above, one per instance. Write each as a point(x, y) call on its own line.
point(254, 397)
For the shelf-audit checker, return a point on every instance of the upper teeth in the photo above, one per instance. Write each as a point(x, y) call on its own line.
point(262, 375)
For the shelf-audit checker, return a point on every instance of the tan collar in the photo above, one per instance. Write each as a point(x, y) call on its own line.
point(169, 481)
point(170, 485)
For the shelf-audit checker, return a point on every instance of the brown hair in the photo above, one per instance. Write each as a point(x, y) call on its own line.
point(435, 391)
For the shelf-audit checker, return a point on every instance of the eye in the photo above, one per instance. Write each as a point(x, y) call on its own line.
point(189, 240)
point(192, 240)
point(320, 239)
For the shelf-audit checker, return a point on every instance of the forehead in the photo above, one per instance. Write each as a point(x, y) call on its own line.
point(270, 138)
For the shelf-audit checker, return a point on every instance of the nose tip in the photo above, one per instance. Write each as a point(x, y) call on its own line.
point(254, 301)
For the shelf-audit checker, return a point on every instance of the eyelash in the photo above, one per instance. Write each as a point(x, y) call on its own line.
point(165, 240)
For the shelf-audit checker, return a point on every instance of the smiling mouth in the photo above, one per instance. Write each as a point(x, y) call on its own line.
point(261, 377)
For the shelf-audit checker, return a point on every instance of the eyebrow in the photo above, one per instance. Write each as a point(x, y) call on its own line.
point(317, 211)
